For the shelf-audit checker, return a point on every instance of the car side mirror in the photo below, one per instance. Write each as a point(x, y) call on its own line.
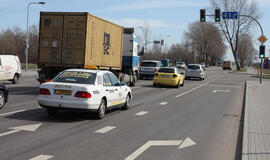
point(122, 83)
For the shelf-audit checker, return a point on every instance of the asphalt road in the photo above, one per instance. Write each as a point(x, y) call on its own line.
point(199, 121)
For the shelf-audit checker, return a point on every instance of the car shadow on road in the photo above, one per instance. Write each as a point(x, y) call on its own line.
point(29, 90)
point(41, 115)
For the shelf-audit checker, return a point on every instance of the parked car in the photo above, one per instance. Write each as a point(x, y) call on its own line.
point(227, 65)
point(83, 89)
point(169, 76)
point(203, 65)
point(149, 68)
point(10, 68)
point(195, 71)
point(3, 95)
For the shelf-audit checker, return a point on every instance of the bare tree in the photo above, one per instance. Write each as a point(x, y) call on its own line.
point(206, 41)
point(232, 29)
point(146, 34)
point(246, 50)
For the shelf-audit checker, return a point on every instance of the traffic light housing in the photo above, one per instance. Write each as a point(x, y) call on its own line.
point(217, 15)
point(202, 15)
point(262, 51)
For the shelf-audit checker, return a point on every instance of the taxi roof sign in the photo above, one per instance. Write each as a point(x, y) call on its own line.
point(91, 67)
point(262, 39)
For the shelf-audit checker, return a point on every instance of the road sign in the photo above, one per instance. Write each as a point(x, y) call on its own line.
point(262, 39)
point(229, 15)
point(156, 42)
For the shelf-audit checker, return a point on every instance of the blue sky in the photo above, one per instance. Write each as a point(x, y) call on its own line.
point(165, 17)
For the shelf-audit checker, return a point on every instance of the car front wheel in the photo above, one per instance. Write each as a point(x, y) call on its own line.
point(2, 99)
point(15, 79)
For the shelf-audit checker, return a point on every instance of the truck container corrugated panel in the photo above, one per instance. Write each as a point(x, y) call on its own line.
point(79, 39)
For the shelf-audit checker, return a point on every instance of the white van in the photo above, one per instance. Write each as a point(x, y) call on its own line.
point(10, 68)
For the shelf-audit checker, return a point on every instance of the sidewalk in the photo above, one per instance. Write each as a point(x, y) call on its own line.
point(256, 136)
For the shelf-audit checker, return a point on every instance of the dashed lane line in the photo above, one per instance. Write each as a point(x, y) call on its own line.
point(141, 113)
point(197, 87)
point(163, 103)
point(42, 157)
point(105, 129)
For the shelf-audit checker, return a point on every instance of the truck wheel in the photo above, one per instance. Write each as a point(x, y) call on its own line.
point(15, 79)
point(134, 79)
point(2, 99)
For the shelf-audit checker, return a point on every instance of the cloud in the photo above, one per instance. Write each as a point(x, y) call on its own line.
point(155, 5)
point(133, 22)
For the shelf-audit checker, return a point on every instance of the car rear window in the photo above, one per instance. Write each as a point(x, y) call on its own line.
point(166, 70)
point(149, 64)
point(193, 67)
point(76, 77)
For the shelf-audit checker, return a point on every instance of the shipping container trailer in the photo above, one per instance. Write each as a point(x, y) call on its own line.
point(80, 40)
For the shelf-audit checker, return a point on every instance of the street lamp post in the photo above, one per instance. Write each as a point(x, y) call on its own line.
point(27, 36)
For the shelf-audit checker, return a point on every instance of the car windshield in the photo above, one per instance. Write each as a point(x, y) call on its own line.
point(166, 70)
point(193, 67)
point(76, 77)
point(149, 64)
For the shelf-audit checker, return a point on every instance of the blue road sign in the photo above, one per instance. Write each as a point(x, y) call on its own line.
point(229, 15)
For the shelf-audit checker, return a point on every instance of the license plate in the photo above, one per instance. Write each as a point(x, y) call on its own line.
point(147, 69)
point(165, 76)
point(62, 92)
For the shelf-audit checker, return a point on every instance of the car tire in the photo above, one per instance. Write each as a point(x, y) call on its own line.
point(2, 99)
point(15, 79)
point(52, 111)
point(154, 85)
point(102, 109)
point(127, 103)
point(178, 84)
point(200, 79)
point(183, 83)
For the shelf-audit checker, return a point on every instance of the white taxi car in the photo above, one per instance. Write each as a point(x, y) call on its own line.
point(85, 89)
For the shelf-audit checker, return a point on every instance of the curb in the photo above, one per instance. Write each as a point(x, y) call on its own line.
point(245, 143)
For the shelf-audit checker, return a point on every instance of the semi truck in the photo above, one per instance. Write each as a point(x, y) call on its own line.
point(81, 40)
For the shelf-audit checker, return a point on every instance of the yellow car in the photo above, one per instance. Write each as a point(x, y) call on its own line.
point(169, 76)
point(227, 65)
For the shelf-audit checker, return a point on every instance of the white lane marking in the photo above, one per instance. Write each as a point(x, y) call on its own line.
point(163, 103)
point(105, 129)
point(32, 128)
point(215, 91)
point(141, 113)
point(197, 87)
point(218, 85)
point(42, 157)
point(9, 132)
point(187, 142)
point(4, 114)
point(148, 144)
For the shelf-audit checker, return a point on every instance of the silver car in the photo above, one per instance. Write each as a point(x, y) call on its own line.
point(195, 71)
point(149, 68)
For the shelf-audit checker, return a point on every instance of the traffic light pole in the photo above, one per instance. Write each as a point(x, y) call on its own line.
point(261, 68)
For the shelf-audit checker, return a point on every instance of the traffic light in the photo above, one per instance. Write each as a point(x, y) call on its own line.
point(217, 15)
point(202, 15)
point(162, 42)
point(262, 51)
